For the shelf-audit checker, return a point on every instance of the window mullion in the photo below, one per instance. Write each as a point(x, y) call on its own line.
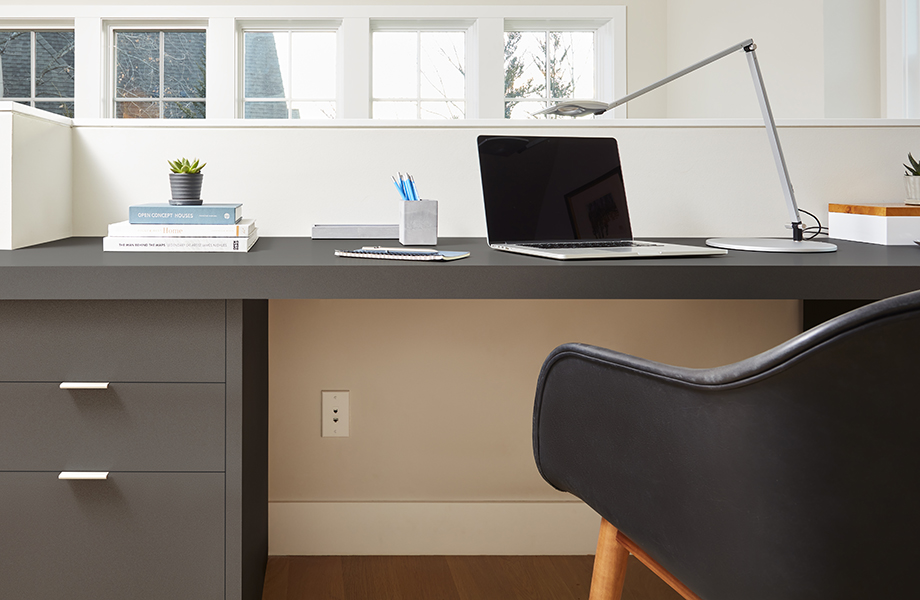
point(220, 94)
point(418, 74)
point(354, 69)
point(548, 90)
point(488, 84)
point(33, 51)
point(88, 49)
point(289, 93)
point(162, 69)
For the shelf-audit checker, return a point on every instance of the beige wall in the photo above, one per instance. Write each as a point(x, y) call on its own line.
point(646, 56)
point(441, 403)
point(790, 39)
point(442, 390)
point(852, 58)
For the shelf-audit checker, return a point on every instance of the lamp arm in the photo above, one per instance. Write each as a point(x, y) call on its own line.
point(679, 74)
point(749, 48)
point(788, 193)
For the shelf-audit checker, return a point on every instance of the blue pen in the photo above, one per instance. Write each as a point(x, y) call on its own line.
point(405, 187)
point(405, 183)
point(399, 189)
point(412, 190)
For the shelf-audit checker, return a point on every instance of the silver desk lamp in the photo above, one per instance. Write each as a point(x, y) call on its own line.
point(796, 244)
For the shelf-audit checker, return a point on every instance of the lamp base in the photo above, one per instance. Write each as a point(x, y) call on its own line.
point(770, 245)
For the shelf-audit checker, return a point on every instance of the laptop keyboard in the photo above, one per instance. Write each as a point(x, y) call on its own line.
point(594, 244)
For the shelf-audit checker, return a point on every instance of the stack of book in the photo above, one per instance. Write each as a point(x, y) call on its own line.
point(169, 228)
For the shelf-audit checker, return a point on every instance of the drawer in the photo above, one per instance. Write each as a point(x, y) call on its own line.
point(107, 340)
point(127, 427)
point(157, 536)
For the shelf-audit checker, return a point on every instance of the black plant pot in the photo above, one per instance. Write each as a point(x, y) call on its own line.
point(186, 188)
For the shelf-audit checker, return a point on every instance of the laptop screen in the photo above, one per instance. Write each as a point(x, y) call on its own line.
point(544, 189)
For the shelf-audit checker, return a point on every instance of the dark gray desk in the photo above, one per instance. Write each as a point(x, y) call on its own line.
point(121, 299)
point(77, 268)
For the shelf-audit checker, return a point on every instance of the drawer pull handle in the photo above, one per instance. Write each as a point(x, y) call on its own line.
point(83, 475)
point(84, 385)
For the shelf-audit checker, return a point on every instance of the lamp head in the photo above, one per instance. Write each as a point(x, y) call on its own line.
point(578, 108)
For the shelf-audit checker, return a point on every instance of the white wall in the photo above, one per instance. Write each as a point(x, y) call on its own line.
point(683, 179)
point(36, 184)
point(6, 179)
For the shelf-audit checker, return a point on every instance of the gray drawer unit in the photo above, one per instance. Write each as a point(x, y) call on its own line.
point(114, 539)
point(127, 427)
point(182, 428)
point(125, 340)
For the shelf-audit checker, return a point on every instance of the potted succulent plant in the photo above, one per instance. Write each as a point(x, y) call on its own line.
point(185, 181)
point(912, 180)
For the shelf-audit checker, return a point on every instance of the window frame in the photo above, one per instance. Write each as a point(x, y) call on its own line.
point(597, 28)
point(244, 26)
point(32, 29)
point(418, 26)
point(110, 98)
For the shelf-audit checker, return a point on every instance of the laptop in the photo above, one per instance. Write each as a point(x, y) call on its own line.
point(562, 198)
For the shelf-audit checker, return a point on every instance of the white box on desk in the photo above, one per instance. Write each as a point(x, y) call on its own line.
point(885, 224)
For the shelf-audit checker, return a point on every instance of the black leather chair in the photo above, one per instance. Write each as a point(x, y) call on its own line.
point(791, 475)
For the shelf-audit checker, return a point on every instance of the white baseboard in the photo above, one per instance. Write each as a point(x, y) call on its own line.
point(431, 528)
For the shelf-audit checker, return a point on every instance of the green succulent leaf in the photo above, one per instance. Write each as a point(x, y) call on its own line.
point(182, 165)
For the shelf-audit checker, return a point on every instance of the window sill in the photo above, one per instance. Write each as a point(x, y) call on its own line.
point(491, 124)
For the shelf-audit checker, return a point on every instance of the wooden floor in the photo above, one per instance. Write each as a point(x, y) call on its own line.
point(447, 578)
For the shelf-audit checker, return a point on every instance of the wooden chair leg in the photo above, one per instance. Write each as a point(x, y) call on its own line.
point(640, 555)
point(609, 565)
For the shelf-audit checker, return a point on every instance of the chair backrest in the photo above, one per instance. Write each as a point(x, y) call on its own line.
point(794, 474)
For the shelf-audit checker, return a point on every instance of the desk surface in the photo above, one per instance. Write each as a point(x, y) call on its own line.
point(77, 268)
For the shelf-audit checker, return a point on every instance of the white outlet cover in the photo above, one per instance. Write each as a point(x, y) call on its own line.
point(335, 413)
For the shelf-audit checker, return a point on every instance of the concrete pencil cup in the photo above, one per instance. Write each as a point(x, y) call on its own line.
point(418, 222)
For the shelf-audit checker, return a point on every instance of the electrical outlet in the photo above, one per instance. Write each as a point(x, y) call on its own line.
point(335, 414)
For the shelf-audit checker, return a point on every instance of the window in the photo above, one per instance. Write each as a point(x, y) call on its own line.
point(37, 68)
point(305, 61)
point(160, 74)
point(419, 74)
point(289, 74)
point(543, 68)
